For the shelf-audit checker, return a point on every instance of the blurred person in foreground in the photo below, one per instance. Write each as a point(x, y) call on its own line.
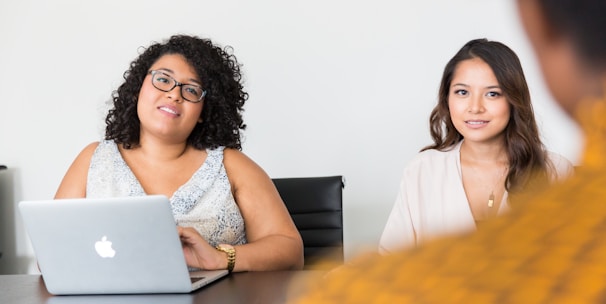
point(551, 248)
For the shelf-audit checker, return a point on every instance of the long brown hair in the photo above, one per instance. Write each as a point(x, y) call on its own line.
point(525, 150)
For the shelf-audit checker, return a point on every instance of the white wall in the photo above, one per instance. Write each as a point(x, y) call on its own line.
point(336, 87)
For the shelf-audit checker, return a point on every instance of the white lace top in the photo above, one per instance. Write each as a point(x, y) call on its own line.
point(205, 202)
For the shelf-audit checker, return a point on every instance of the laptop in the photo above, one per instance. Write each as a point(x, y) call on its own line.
point(127, 245)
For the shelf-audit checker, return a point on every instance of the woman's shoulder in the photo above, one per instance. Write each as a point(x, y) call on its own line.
point(90, 149)
point(433, 161)
point(235, 157)
point(104, 147)
point(560, 166)
point(437, 153)
point(433, 155)
point(242, 170)
point(97, 149)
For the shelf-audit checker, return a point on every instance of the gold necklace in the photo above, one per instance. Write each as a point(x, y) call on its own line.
point(490, 202)
point(491, 196)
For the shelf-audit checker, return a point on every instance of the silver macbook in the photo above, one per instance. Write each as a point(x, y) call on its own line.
point(126, 245)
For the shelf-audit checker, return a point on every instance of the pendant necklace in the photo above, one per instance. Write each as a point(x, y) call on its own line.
point(491, 196)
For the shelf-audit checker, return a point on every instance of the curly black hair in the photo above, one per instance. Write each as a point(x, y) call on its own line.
point(219, 72)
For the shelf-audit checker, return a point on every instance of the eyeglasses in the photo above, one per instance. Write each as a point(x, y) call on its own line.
point(165, 83)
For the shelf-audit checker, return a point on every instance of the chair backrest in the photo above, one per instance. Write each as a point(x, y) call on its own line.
point(315, 205)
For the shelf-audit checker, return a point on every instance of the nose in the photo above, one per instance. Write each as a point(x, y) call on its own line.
point(175, 94)
point(476, 104)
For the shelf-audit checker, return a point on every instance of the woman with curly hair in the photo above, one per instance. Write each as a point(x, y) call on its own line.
point(174, 130)
point(486, 146)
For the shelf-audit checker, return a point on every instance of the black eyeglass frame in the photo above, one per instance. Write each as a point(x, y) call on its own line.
point(176, 84)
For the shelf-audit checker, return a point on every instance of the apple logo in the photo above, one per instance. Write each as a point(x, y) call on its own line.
point(104, 248)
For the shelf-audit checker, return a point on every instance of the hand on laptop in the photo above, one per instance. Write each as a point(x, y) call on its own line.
point(198, 253)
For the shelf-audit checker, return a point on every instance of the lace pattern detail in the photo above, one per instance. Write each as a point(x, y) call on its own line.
point(204, 202)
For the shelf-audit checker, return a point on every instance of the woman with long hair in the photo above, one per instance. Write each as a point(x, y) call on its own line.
point(486, 149)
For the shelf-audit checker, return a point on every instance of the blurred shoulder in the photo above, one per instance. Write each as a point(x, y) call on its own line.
point(560, 166)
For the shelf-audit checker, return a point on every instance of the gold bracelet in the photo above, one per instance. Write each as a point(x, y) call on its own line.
point(231, 255)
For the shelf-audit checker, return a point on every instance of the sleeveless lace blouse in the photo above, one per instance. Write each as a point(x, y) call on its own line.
point(205, 202)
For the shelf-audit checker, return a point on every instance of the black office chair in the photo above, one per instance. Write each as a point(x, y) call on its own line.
point(315, 204)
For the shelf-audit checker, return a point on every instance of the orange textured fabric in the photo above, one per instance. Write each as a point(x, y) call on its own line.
point(551, 248)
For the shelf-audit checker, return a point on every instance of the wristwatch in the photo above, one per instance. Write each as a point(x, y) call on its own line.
point(231, 255)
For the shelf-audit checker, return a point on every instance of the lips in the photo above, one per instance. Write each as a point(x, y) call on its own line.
point(476, 122)
point(169, 110)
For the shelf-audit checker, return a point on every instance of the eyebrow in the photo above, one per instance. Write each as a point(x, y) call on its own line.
point(467, 86)
point(173, 72)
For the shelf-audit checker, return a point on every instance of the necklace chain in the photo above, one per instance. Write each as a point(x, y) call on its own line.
point(491, 198)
